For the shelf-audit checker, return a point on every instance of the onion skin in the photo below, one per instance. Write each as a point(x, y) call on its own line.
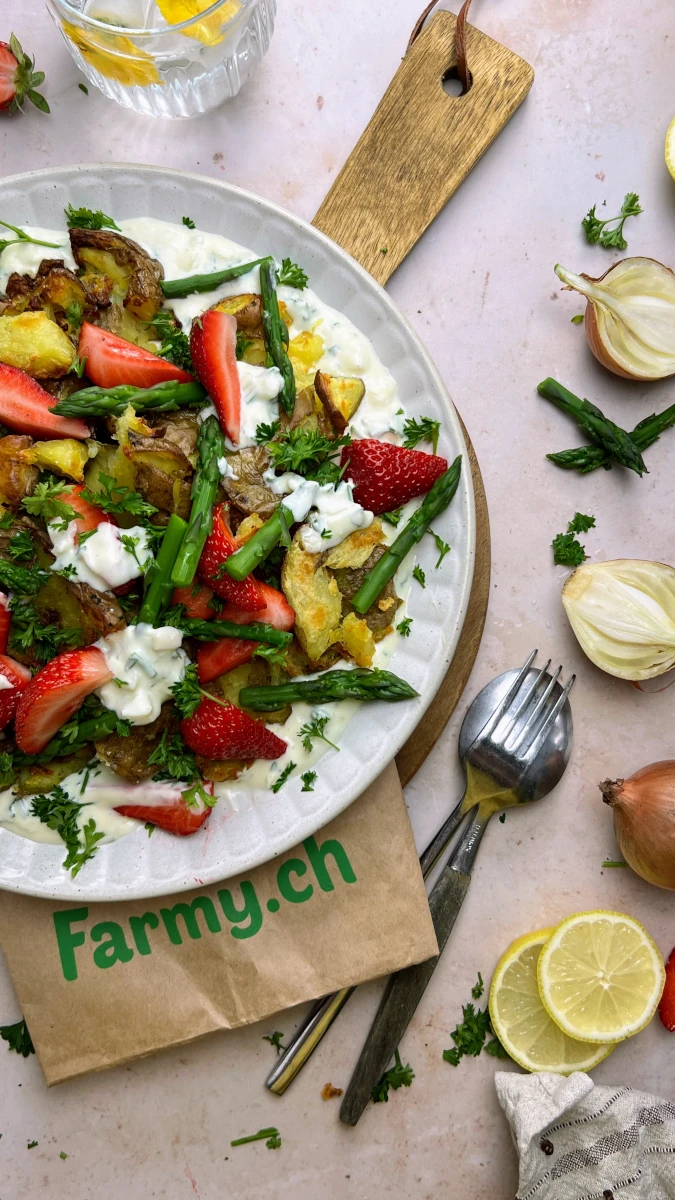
point(644, 821)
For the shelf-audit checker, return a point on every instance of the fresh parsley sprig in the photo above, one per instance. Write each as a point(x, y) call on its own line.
point(21, 236)
point(117, 498)
point(57, 811)
point(85, 218)
point(567, 551)
point(265, 433)
point(612, 239)
point(419, 575)
point(308, 780)
point(315, 729)
point(403, 627)
point(18, 1038)
point(28, 632)
point(174, 343)
point(274, 1039)
point(396, 1077)
point(424, 430)
point(20, 547)
point(470, 1034)
point(309, 453)
point(442, 547)
point(47, 501)
point(173, 758)
point(291, 274)
point(187, 221)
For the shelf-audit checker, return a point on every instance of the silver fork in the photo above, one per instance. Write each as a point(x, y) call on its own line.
point(500, 698)
point(518, 755)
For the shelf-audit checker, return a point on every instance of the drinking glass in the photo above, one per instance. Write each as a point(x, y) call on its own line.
point(166, 58)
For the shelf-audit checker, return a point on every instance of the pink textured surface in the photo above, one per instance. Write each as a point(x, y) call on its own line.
point(481, 292)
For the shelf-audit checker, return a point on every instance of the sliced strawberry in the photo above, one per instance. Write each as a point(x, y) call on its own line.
point(667, 1002)
point(213, 341)
point(24, 407)
point(54, 694)
point(18, 78)
point(215, 658)
point(18, 676)
point(112, 360)
point(90, 515)
point(386, 476)
point(220, 544)
point(220, 730)
point(196, 601)
point(171, 813)
point(5, 619)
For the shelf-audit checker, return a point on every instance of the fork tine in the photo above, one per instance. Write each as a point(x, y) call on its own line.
point(551, 716)
point(530, 724)
point(504, 704)
point(525, 702)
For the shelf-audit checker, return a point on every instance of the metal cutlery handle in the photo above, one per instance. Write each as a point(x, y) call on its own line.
point(321, 1016)
point(406, 988)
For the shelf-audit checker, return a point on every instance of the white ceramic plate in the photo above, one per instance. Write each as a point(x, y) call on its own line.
point(265, 824)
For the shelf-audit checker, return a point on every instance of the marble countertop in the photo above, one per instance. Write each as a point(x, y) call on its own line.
point(481, 292)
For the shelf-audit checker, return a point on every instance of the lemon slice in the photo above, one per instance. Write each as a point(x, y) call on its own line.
point(210, 31)
point(521, 1022)
point(600, 976)
point(670, 148)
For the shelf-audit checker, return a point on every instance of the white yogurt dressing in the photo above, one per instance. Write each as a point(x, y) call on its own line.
point(101, 560)
point(146, 662)
point(24, 258)
point(347, 351)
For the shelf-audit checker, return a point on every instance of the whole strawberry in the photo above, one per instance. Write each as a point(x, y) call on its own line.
point(18, 79)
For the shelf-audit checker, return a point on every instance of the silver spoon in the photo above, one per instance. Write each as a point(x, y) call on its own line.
point(519, 754)
point(503, 694)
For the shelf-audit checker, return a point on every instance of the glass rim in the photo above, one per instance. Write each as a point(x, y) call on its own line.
point(108, 27)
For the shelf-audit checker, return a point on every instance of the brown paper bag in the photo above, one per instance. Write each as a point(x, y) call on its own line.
point(101, 984)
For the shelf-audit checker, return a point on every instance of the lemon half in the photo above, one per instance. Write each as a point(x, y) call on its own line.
point(520, 1020)
point(600, 976)
point(670, 148)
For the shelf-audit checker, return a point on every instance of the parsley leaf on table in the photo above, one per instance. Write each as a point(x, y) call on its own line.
point(17, 1038)
point(424, 430)
point(478, 987)
point(581, 523)
point(612, 239)
point(272, 1134)
point(274, 1039)
point(469, 1036)
point(396, 1077)
point(84, 218)
point(567, 551)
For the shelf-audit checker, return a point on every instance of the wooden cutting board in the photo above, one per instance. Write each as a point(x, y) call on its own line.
point(419, 146)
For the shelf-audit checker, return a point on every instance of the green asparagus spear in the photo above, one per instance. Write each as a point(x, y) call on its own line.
point(276, 333)
point(210, 447)
point(25, 581)
point(159, 584)
point(434, 503)
point(588, 458)
point(103, 402)
point(359, 684)
point(212, 631)
point(603, 432)
point(246, 558)
point(176, 289)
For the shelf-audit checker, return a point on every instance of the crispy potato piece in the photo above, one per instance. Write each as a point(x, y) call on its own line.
point(68, 604)
point(340, 396)
point(256, 673)
point(380, 615)
point(247, 308)
point(35, 344)
point(65, 456)
point(255, 352)
point(308, 414)
point(179, 428)
point(128, 756)
point(58, 291)
point(223, 771)
point(136, 277)
point(357, 638)
point(298, 662)
point(120, 427)
point(109, 460)
point(304, 351)
point(246, 487)
point(314, 595)
point(357, 548)
point(42, 777)
point(248, 527)
point(162, 473)
point(121, 321)
point(17, 476)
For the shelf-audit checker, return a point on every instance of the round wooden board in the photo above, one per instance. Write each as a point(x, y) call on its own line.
point(422, 741)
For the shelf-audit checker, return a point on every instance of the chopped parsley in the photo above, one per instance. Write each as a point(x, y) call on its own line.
point(130, 545)
point(307, 452)
point(197, 793)
point(469, 1036)
point(117, 498)
point(581, 523)
point(84, 218)
point(577, 319)
point(265, 433)
point(174, 343)
point(393, 518)
point(272, 1136)
point(27, 632)
point(308, 780)
point(187, 693)
point(567, 551)
point(315, 729)
point(57, 811)
point(396, 1077)
point(291, 274)
point(173, 758)
point(18, 1038)
point(274, 1039)
point(83, 88)
point(424, 430)
point(47, 502)
point(189, 222)
point(20, 547)
point(31, 1145)
point(77, 366)
point(403, 627)
point(612, 239)
point(607, 863)
point(242, 344)
point(442, 547)
point(272, 654)
point(288, 769)
point(63, 1153)
point(419, 575)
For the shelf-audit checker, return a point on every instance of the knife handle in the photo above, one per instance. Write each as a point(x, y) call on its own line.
point(406, 988)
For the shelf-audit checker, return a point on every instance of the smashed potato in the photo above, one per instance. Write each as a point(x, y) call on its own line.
point(314, 595)
point(18, 476)
point(357, 639)
point(247, 308)
point(136, 278)
point(35, 344)
point(356, 549)
point(65, 456)
point(340, 396)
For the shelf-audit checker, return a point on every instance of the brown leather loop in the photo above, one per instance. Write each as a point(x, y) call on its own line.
point(463, 71)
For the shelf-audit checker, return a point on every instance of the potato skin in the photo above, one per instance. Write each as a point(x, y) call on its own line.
point(247, 489)
point(128, 756)
point(35, 344)
point(137, 278)
point(17, 476)
point(340, 396)
point(163, 474)
point(57, 291)
point(314, 595)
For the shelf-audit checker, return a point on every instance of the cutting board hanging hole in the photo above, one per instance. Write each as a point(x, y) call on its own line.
point(452, 84)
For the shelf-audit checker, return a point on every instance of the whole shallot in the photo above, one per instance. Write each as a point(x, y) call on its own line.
point(644, 820)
